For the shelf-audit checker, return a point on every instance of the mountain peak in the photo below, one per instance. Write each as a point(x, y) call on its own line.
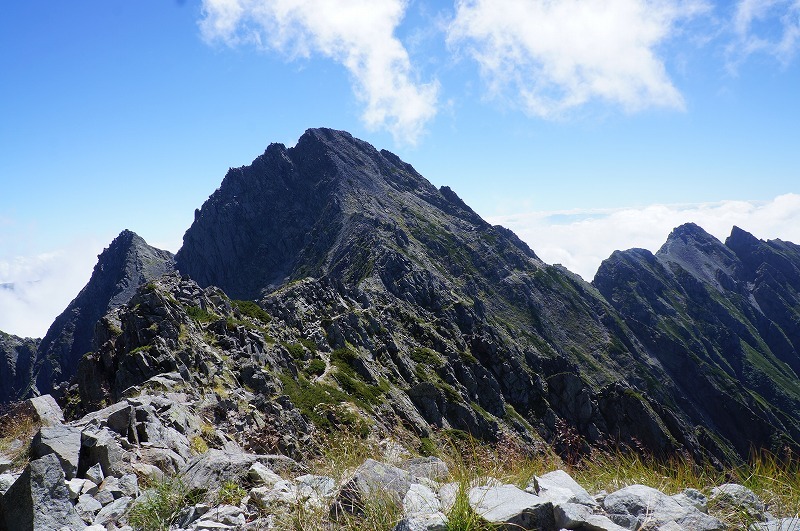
point(300, 211)
point(699, 253)
point(123, 266)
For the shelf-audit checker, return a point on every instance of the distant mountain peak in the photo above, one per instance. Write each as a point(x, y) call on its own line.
point(123, 266)
point(701, 254)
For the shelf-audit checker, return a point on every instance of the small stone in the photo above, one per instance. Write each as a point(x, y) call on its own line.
point(261, 475)
point(75, 486)
point(739, 497)
point(104, 497)
point(113, 511)
point(95, 474)
point(87, 504)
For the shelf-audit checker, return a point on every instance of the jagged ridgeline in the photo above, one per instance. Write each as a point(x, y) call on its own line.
point(330, 286)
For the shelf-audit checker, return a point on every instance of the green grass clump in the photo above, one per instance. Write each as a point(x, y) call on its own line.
point(230, 493)
point(158, 508)
point(252, 310)
point(200, 315)
point(315, 367)
point(426, 356)
point(296, 350)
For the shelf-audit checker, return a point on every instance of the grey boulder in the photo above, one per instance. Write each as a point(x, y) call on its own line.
point(62, 441)
point(738, 497)
point(372, 480)
point(39, 499)
point(654, 508)
point(509, 507)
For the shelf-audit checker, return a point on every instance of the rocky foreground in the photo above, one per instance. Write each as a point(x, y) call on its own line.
point(94, 473)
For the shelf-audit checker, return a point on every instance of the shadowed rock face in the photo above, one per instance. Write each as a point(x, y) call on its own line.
point(127, 263)
point(722, 320)
point(17, 355)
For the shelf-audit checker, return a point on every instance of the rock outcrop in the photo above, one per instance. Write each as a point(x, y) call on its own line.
point(126, 264)
point(17, 358)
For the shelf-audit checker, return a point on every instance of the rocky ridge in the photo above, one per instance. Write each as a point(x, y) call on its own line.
point(329, 288)
point(92, 473)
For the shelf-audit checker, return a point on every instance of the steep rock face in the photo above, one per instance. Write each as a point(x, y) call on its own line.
point(17, 356)
point(459, 317)
point(698, 307)
point(127, 263)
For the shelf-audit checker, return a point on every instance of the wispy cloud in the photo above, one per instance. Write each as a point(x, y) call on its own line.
point(765, 26)
point(581, 239)
point(556, 56)
point(359, 34)
point(35, 289)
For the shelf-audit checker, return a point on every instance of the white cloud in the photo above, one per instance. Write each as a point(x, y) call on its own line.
point(580, 240)
point(556, 56)
point(36, 289)
point(359, 34)
point(765, 26)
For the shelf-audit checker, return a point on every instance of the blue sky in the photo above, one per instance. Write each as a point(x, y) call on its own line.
point(585, 126)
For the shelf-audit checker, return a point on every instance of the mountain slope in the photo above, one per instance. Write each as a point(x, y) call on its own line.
point(460, 316)
point(698, 306)
point(122, 267)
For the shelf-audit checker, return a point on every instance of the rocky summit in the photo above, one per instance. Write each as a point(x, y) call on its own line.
point(328, 288)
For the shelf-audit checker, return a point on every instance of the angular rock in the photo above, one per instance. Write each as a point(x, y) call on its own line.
point(261, 475)
point(88, 505)
point(420, 500)
point(321, 486)
point(279, 496)
point(129, 485)
point(116, 417)
point(6, 480)
point(95, 474)
point(781, 524)
point(652, 507)
point(101, 446)
point(74, 487)
point(423, 522)
point(210, 470)
point(559, 487)
point(427, 467)
point(62, 441)
point(738, 497)
point(5, 464)
point(224, 514)
point(45, 409)
point(39, 499)
point(104, 497)
point(113, 512)
point(372, 481)
point(509, 508)
point(579, 516)
point(692, 498)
